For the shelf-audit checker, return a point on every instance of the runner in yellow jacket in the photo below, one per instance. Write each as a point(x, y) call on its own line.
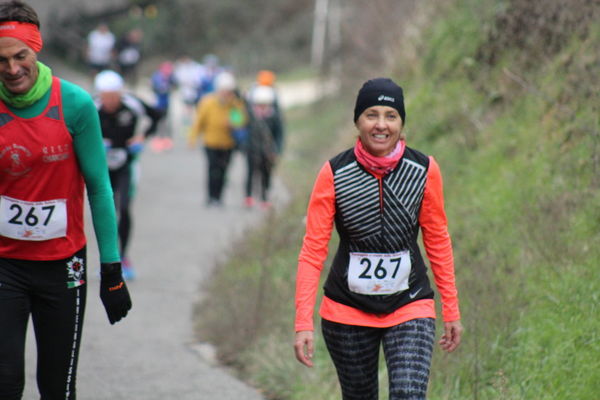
point(217, 115)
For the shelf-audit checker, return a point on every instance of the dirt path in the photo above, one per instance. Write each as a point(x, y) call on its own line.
point(152, 354)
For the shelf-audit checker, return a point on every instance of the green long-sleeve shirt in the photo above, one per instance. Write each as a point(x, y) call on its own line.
point(81, 118)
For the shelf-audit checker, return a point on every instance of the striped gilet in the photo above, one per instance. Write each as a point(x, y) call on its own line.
point(378, 216)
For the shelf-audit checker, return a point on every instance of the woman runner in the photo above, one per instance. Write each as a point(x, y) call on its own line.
point(379, 194)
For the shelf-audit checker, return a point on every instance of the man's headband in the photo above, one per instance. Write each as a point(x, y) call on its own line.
point(24, 31)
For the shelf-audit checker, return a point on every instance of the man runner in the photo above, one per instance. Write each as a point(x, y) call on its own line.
point(50, 150)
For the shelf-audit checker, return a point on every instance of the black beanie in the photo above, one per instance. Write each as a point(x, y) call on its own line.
point(380, 92)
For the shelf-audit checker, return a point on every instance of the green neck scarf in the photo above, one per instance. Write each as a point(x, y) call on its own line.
point(37, 91)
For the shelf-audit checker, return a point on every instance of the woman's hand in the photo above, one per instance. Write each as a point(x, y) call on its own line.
point(304, 347)
point(451, 337)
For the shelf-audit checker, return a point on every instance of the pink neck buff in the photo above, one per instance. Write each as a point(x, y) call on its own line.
point(24, 31)
point(379, 165)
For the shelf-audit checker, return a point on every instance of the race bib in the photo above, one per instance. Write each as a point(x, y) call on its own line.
point(33, 220)
point(373, 274)
point(116, 158)
point(129, 56)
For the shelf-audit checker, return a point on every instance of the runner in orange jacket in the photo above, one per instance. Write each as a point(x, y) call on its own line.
point(379, 194)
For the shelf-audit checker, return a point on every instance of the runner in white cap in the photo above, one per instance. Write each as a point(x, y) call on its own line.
point(126, 121)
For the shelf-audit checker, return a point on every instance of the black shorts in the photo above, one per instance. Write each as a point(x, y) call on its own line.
point(53, 293)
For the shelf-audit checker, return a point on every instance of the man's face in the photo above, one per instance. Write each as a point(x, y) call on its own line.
point(111, 101)
point(18, 65)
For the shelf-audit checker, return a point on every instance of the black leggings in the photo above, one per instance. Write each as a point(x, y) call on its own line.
point(218, 163)
point(355, 353)
point(54, 294)
point(259, 168)
point(121, 185)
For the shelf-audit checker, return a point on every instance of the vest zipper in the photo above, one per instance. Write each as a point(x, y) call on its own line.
point(380, 183)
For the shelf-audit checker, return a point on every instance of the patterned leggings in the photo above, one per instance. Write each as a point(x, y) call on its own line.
point(355, 353)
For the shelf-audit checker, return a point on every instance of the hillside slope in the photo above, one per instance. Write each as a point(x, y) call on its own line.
point(511, 107)
point(505, 94)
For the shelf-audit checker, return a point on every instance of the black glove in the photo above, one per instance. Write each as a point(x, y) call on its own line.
point(113, 292)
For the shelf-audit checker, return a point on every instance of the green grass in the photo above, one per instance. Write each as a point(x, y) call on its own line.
point(298, 74)
point(522, 198)
point(519, 148)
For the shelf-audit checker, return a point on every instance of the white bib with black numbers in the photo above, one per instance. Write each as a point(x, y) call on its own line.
point(33, 220)
point(374, 274)
point(116, 158)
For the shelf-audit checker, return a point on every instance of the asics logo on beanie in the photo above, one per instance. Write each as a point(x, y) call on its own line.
point(380, 92)
point(386, 98)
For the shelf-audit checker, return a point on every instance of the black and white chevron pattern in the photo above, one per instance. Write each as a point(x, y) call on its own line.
point(370, 227)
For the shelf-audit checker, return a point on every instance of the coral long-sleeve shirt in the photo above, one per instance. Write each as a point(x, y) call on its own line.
point(319, 226)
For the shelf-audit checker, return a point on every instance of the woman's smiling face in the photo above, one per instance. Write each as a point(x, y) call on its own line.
point(380, 128)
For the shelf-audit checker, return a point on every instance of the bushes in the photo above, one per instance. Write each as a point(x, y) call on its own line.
point(539, 29)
